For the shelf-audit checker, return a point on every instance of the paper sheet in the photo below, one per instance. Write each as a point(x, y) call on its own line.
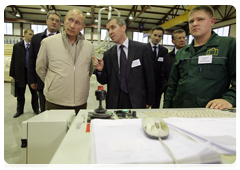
point(127, 143)
point(221, 132)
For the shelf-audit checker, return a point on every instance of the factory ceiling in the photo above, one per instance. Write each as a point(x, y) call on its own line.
point(146, 16)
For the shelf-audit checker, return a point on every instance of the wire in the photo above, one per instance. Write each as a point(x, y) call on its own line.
point(175, 161)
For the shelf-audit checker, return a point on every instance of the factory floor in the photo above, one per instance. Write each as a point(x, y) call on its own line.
point(12, 126)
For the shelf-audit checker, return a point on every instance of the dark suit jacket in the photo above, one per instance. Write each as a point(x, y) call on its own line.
point(17, 67)
point(140, 80)
point(166, 69)
point(33, 52)
point(157, 66)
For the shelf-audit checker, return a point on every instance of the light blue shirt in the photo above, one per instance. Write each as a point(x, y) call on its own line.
point(25, 44)
point(125, 49)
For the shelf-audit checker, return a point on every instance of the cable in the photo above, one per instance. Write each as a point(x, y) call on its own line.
point(175, 161)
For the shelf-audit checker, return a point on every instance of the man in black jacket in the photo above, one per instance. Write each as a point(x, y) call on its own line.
point(126, 69)
point(53, 22)
point(157, 53)
point(18, 70)
point(179, 40)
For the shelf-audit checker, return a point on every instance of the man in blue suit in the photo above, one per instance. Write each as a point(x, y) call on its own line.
point(126, 69)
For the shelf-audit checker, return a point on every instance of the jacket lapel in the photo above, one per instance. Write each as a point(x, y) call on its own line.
point(114, 58)
point(131, 54)
point(23, 51)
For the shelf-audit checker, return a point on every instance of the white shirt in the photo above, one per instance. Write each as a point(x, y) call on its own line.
point(50, 32)
point(176, 50)
point(157, 49)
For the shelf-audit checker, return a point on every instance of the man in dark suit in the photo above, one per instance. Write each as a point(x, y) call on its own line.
point(18, 70)
point(179, 40)
point(157, 53)
point(126, 69)
point(53, 22)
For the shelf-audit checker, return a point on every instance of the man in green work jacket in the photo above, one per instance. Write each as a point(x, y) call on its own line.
point(204, 72)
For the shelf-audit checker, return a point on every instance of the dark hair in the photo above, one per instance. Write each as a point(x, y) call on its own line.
point(158, 28)
point(177, 31)
point(205, 8)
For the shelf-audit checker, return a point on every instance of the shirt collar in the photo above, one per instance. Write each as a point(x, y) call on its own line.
point(153, 44)
point(176, 50)
point(125, 43)
point(50, 32)
point(25, 44)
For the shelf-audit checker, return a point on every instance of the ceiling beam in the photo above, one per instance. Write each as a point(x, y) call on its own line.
point(165, 17)
point(43, 7)
point(11, 13)
point(139, 14)
point(92, 14)
point(127, 20)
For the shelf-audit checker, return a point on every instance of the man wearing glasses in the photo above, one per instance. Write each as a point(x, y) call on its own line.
point(53, 22)
point(179, 40)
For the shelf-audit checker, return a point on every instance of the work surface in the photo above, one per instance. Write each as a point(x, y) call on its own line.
point(75, 147)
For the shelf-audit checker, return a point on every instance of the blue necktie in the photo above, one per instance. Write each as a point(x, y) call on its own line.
point(26, 57)
point(123, 70)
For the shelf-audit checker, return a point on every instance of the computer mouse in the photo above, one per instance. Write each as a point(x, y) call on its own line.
point(155, 127)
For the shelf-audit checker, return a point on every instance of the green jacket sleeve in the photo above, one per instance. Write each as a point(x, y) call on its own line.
point(230, 95)
point(172, 85)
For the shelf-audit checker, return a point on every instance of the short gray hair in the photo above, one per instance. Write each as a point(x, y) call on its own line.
point(80, 12)
point(177, 31)
point(120, 21)
point(205, 8)
point(53, 12)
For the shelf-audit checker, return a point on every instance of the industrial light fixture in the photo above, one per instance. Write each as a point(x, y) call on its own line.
point(96, 20)
point(88, 13)
point(131, 17)
point(42, 10)
point(17, 14)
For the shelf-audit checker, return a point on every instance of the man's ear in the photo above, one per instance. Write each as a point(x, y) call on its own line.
point(213, 21)
point(124, 28)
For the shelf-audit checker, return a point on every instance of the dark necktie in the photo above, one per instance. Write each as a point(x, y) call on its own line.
point(154, 56)
point(123, 70)
point(50, 35)
point(26, 56)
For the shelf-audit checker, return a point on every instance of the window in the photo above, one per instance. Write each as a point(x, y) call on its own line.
point(167, 39)
point(8, 28)
point(104, 34)
point(140, 37)
point(38, 28)
point(224, 31)
point(190, 38)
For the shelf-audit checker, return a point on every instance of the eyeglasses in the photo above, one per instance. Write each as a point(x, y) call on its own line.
point(56, 20)
point(179, 38)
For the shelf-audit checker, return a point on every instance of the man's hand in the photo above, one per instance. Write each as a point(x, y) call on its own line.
point(148, 106)
point(219, 104)
point(34, 86)
point(98, 63)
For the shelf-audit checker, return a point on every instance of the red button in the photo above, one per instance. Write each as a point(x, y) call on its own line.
point(100, 87)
